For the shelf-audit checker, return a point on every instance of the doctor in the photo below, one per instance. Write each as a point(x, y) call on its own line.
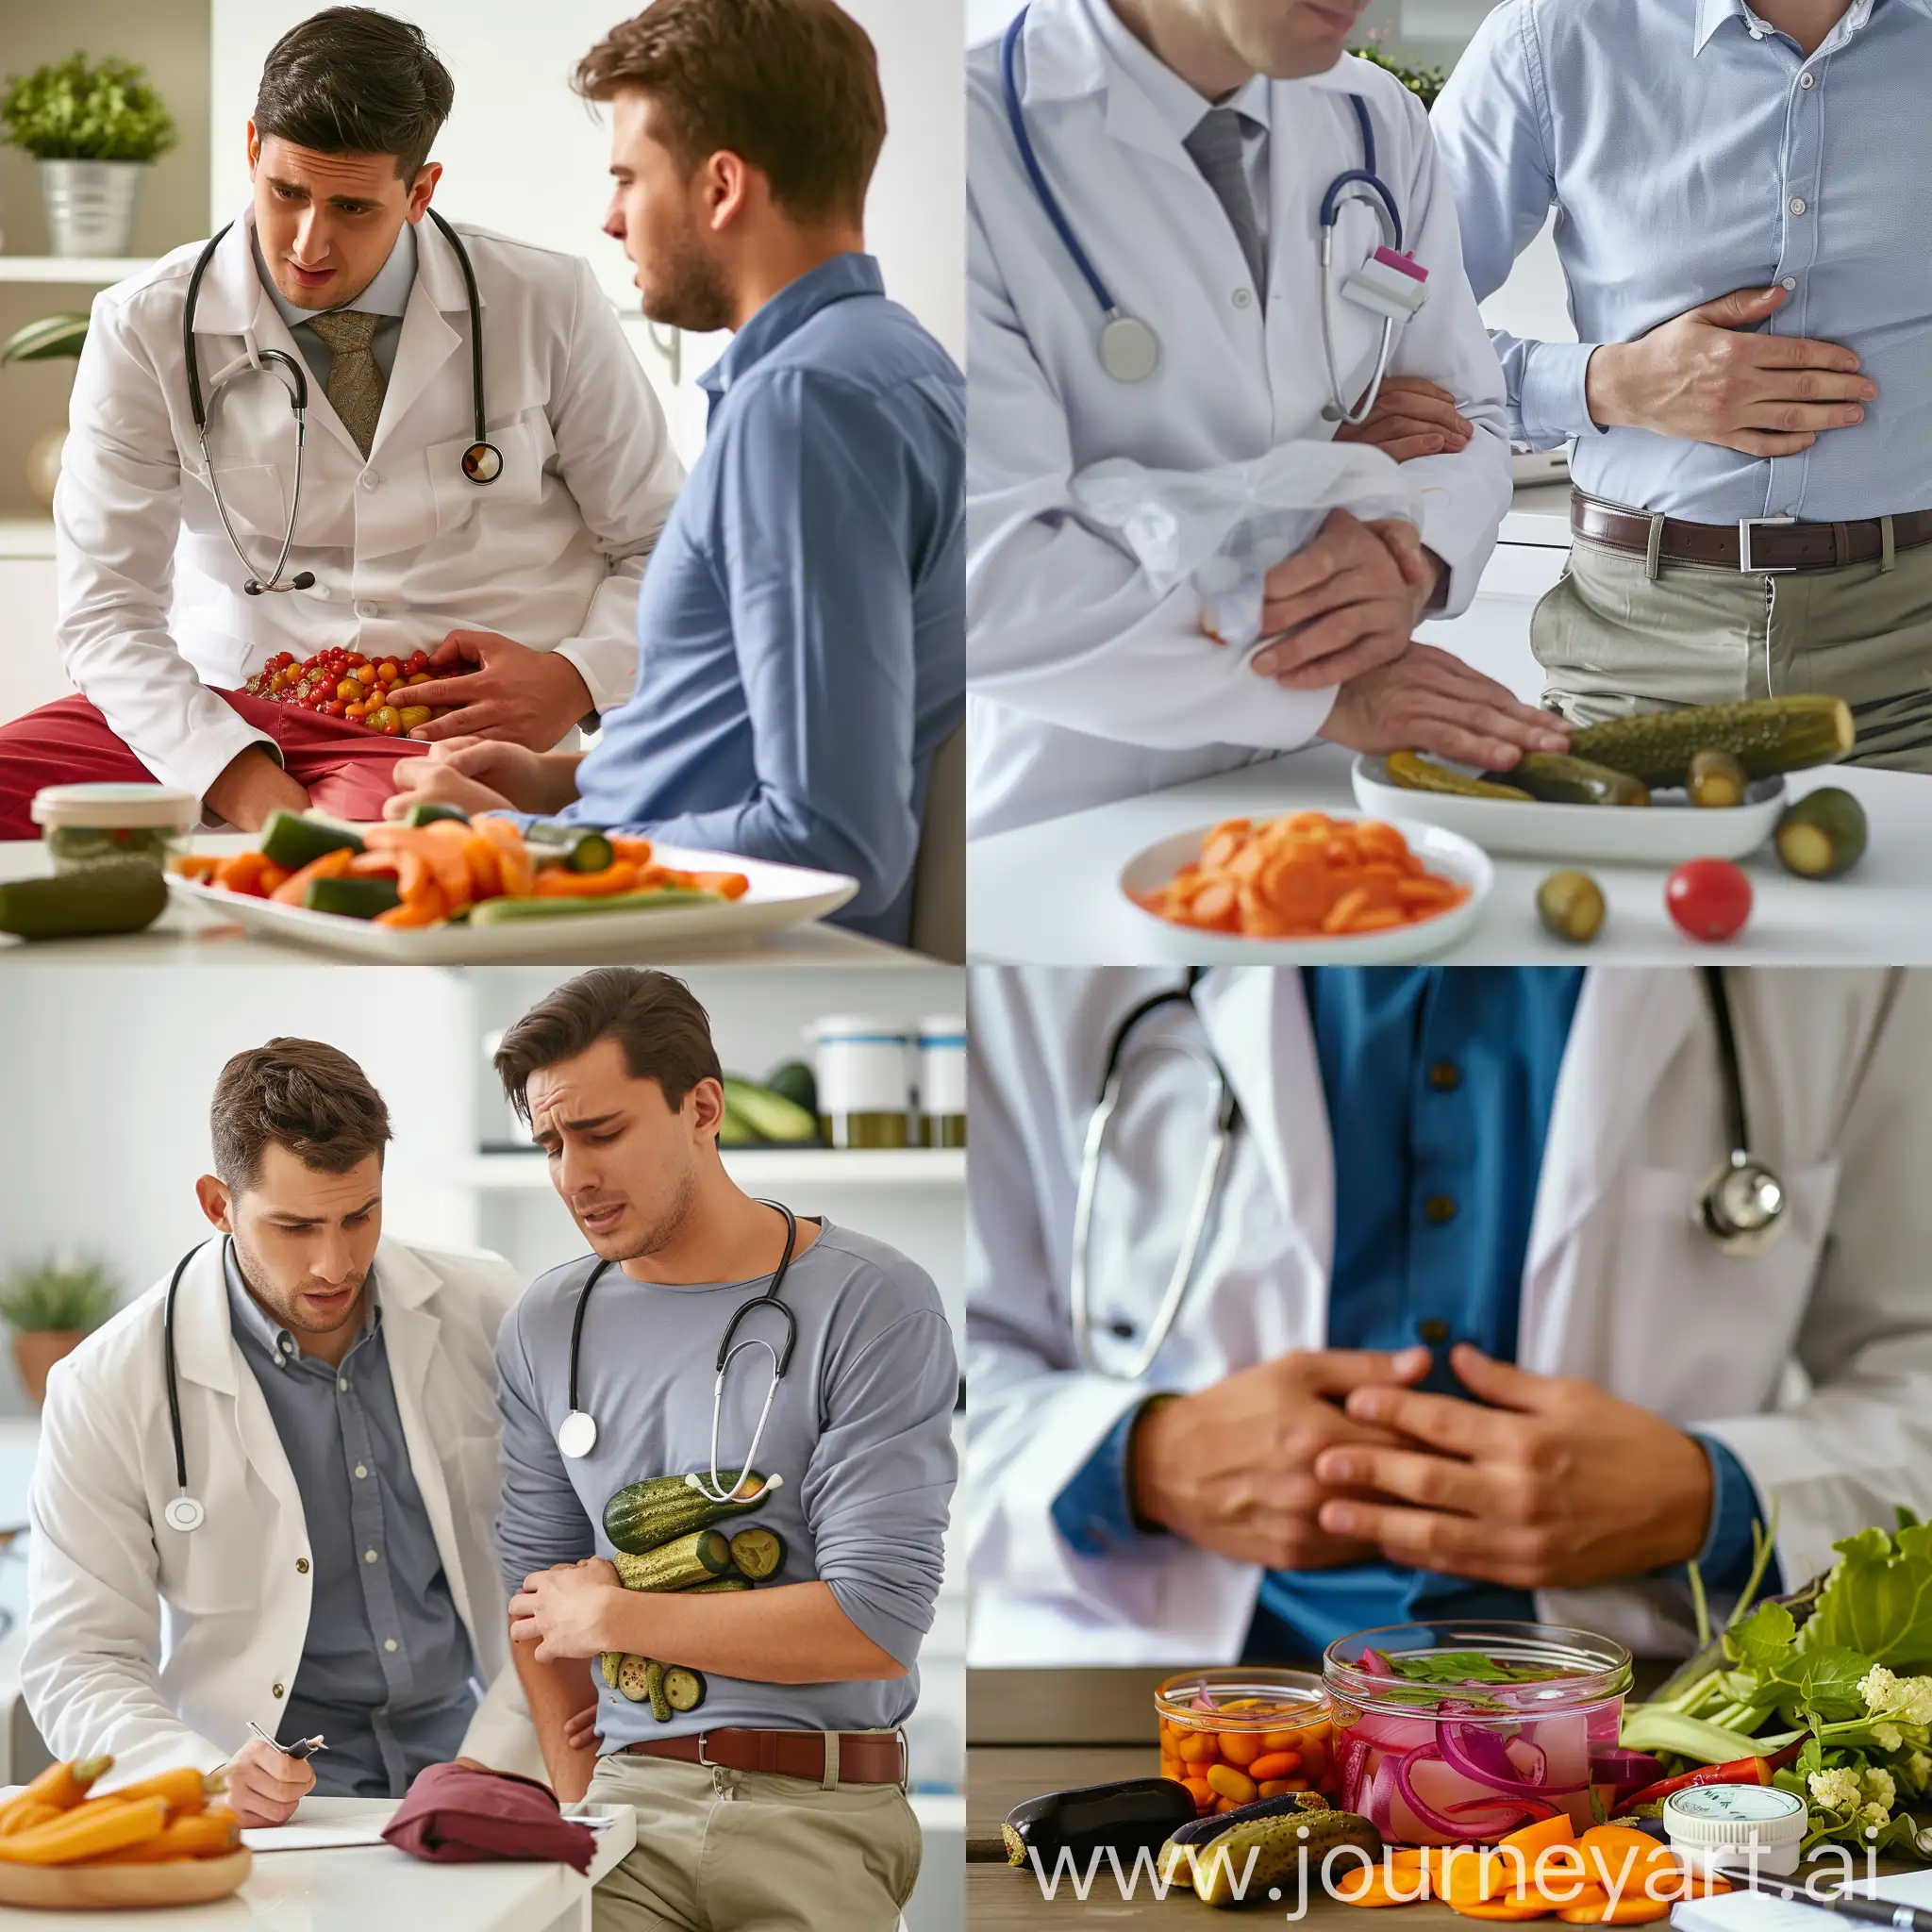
point(306, 1546)
point(1156, 292)
point(482, 474)
point(1452, 1345)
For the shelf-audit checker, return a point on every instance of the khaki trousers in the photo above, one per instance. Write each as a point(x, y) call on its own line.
point(1614, 641)
point(741, 1850)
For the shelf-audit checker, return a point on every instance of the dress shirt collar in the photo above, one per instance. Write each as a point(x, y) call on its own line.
point(1179, 107)
point(387, 295)
point(835, 280)
point(247, 1313)
point(1711, 14)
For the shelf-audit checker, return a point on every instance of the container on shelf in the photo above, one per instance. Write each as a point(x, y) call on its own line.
point(82, 824)
point(864, 1095)
point(942, 1080)
point(92, 205)
point(1247, 1731)
point(1433, 1754)
point(1754, 1825)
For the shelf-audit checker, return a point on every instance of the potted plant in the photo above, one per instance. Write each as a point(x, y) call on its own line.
point(1424, 83)
point(50, 1308)
point(93, 128)
point(51, 338)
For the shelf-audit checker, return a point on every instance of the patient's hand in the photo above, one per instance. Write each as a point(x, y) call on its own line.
point(419, 782)
point(1413, 417)
point(514, 778)
point(581, 1731)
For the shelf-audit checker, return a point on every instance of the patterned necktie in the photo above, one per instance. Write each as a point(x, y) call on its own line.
point(354, 378)
point(1215, 147)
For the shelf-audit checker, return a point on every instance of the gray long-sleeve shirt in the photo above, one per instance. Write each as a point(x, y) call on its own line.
point(860, 1430)
point(387, 1671)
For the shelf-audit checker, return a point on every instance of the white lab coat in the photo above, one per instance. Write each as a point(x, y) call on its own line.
point(159, 1644)
point(1085, 685)
point(403, 548)
point(1813, 1362)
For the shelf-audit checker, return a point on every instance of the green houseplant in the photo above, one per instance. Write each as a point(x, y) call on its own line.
point(52, 338)
point(1424, 83)
point(94, 128)
point(50, 1306)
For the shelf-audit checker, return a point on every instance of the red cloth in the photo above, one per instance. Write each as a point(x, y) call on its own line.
point(455, 1815)
point(345, 769)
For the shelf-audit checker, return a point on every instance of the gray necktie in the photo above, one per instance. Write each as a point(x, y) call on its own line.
point(1215, 146)
point(354, 376)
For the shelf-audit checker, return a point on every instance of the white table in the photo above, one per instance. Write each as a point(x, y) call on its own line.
point(187, 935)
point(377, 1886)
point(1049, 894)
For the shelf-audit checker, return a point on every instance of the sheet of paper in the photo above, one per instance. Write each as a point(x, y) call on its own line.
point(1749, 1911)
point(326, 1827)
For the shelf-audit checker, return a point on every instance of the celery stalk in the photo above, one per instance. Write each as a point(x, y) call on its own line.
point(1652, 1728)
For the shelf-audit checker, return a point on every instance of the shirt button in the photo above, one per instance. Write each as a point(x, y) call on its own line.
point(1788, 282)
point(389, 1644)
point(1446, 1077)
point(1808, 79)
point(1432, 1330)
point(1440, 1208)
point(301, 1566)
point(370, 479)
point(369, 1556)
point(1243, 298)
point(1797, 203)
point(342, 1382)
point(360, 1472)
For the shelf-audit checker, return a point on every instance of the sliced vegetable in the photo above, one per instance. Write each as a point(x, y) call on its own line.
point(1821, 834)
point(578, 848)
point(511, 911)
point(291, 841)
point(634, 1678)
point(427, 810)
point(333, 864)
point(759, 1552)
point(683, 1689)
point(1414, 773)
point(1717, 780)
point(351, 898)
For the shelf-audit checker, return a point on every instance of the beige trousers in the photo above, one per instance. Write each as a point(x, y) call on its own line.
point(1614, 641)
point(741, 1850)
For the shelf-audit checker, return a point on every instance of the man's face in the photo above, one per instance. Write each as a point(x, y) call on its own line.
point(326, 223)
point(623, 1162)
point(1282, 38)
point(663, 219)
point(306, 1240)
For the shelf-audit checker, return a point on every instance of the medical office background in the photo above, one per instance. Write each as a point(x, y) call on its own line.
point(108, 1074)
point(1494, 633)
point(522, 156)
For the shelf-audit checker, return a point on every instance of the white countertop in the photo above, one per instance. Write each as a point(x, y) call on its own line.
point(1539, 513)
point(1049, 894)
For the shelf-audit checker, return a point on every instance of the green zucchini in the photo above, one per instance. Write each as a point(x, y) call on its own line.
point(112, 895)
point(758, 1552)
point(717, 1583)
point(425, 812)
point(1558, 779)
point(1765, 735)
point(769, 1115)
point(576, 848)
point(291, 841)
point(352, 898)
point(653, 1688)
point(674, 1565)
point(683, 1689)
point(511, 911)
point(1277, 1845)
point(640, 1516)
point(1414, 773)
point(633, 1678)
point(1716, 782)
point(796, 1082)
point(1821, 834)
point(609, 1663)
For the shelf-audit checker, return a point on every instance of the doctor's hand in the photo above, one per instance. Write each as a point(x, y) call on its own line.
point(1231, 1467)
point(1557, 1486)
point(1344, 603)
point(508, 775)
point(529, 697)
point(1430, 700)
point(1413, 417)
point(1701, 377)
point(562, 1610)
point(265, 1785)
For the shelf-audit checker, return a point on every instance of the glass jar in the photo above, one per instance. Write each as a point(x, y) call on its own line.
point(859, 1069)
point(82, 824)
point(942, 1080)
point(1245, 1732)
point(1457, 1733)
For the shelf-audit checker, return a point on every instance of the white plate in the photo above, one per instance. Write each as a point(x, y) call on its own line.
point(1442, 851)
point(1666, 832)
point(781, 895)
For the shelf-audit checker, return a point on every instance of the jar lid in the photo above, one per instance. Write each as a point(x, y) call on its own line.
point(1712, 1816)
point(115, 808)
point(943, 1030)
point(857, 1029)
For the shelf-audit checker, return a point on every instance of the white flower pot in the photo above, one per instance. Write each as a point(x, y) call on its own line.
point(92, 206)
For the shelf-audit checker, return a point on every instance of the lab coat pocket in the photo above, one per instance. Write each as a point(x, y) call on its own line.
point(475, 1467)
point(254, 497)
point(208, 1576)
point(526, 445)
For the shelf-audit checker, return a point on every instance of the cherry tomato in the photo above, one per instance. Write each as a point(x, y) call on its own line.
point(1709, 898)
point(339, 708)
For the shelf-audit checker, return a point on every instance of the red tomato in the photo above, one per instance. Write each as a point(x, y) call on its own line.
point(1709, 898)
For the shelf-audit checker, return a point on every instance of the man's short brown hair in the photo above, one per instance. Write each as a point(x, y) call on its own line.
point(310, 1098)
point(664, 1032)
point(790, 86)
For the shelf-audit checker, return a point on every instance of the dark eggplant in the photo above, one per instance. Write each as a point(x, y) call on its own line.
point(1128, 1815)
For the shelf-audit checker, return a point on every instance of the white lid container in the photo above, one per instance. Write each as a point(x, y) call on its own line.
point(115, 807)
point(861, 1065)
point(1738, 1825)
point(942, 1064)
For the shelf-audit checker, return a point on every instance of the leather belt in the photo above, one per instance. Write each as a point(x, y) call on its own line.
point(1761, 546)
point(865, 1758)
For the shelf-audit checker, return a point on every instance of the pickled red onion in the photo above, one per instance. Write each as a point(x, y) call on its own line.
point(1481, 1757)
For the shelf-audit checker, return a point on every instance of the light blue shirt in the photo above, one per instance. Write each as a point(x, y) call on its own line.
point(388, 296)
point(1689, 150)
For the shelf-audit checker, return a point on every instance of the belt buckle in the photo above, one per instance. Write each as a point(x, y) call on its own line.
point(1745, 566)
point(702, 1758)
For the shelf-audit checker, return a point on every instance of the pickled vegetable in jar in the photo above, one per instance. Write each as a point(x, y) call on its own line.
point(1460, 1733)
point(83, 824)
point(1234, 1735)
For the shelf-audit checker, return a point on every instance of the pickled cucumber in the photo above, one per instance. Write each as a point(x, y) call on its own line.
point(1716, 781)
point(1414, 773)
point(1821, 834)
point(1765, 735)
point(1277, 1845)
point(115, 895)
point(1558, 779)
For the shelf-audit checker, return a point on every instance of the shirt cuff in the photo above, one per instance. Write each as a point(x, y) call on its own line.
point(1553, 405)
point(1093, 1511)
point(1725, 1561)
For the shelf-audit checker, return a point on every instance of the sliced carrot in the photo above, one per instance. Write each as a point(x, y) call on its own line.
point(1632, 1909)
point(557, 882)
point(1509, 1913)
point(636, 850)
point(484, 862)
point(331, 865)
point(1370, 1889)
point(1531, 1839)
point(428, 906)
point(250, 873)
point(195, 865)
point(514, 856)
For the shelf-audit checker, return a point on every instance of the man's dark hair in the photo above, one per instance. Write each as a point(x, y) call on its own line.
point(665, 1034)
point(310, 1098)
point(790, 86)
point(352, 81)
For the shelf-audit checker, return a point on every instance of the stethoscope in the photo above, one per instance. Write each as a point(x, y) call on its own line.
point(576, 1435)
point(1129, 349)
point(1741, 1207)
point(482, 461)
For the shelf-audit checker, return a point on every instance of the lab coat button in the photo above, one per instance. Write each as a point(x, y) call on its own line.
point(301, 1566)
point(389, 1644)
point(1242, 299)
point(1797, 203)
point(1439, 1208)
point(369, 1556)
point(370, 479)
point(278, 1690)
point(1446, 1077)
point(365, 609)
point(1432, 1330)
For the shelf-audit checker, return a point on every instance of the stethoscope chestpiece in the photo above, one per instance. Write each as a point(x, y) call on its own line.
point(1129, 350)
point(482, 462)
point(576, 1435)
point(185, 1514)
point(1741, 1207)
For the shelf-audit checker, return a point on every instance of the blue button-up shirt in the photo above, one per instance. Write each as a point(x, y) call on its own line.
point(1439, 1084)
point(387, 1674)
point(802, 628)
point(1691, 149)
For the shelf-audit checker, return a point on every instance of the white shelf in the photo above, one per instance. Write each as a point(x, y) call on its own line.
point(765, 1167)
point(93, 271)
point(26, 537)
